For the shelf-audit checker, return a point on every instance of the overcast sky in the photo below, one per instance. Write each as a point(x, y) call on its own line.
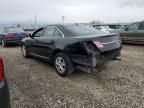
point(50, 11)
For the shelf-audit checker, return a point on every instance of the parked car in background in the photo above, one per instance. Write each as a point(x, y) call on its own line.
point(133, 33)
point(103, 28)
point(72, 46)
point(4, 92)
point(9, 35)
point(29, 31)
point(117, 26)
point(110, 27)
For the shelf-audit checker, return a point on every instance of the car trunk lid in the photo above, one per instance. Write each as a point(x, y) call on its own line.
point(108, 42)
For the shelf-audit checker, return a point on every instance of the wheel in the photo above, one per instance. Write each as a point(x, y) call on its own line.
point(24, 51)
point(63, 64)
point(3, 43)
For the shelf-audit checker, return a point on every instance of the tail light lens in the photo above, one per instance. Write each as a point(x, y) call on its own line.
point(98, 44)
point(1, 70)
point(10, 35)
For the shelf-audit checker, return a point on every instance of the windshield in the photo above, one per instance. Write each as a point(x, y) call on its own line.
point(14, 30)
point(77, 30)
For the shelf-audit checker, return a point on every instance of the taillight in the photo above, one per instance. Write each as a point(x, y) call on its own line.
point(98, 44)
point(10, 35)
point(1, 70)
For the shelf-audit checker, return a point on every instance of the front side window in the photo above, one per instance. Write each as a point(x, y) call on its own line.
point(49, 31)
point(134, 26)
point(39, 33)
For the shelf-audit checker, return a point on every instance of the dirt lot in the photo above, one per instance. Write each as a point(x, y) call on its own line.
point(35, 84)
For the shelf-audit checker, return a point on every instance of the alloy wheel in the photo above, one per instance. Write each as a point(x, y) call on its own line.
point(3, 43)
point(24, 50)
point(60, 64)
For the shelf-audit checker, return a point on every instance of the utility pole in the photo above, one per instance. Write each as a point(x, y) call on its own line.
point(63, 18)
point(35, 20)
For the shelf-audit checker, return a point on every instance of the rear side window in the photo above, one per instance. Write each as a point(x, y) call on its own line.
point(57, 33)
point(49, 31)
point(134, 26)
point(142, 26)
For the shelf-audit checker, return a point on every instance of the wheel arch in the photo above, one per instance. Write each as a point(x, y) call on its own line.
point(56, 52)
point(24, 43)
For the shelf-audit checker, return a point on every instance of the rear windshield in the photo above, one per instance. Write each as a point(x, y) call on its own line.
point(14, 30)
point(77, 30)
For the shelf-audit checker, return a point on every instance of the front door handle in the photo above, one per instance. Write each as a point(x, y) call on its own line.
point(43, 42)
point(50, 42)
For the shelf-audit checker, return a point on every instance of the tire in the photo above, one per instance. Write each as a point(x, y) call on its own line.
point(24, 51)
point(3, 43)
point(63, 64)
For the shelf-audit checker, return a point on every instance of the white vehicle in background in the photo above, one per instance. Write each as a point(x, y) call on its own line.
point(104, 28)
point(110, 27)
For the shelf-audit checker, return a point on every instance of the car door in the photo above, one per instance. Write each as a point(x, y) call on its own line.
point(44, 44)
point(51, 35)
point(57, 35)
point(141, 33)
point(131, 32)
point(33, 46)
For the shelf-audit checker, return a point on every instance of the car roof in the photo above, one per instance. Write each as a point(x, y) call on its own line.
point(61, 27)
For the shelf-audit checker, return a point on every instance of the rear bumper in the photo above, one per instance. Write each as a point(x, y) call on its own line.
point(110, 55)
point(96, 60)
point(4, 95)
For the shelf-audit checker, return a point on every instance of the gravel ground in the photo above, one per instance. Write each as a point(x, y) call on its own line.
point(35, 84)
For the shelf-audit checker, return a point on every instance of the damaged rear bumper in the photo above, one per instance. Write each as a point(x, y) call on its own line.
point(95, 60)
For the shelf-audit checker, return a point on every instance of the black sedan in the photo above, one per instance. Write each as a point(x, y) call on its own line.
point(4, 92)
point(72, 46)
point(11, 35)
